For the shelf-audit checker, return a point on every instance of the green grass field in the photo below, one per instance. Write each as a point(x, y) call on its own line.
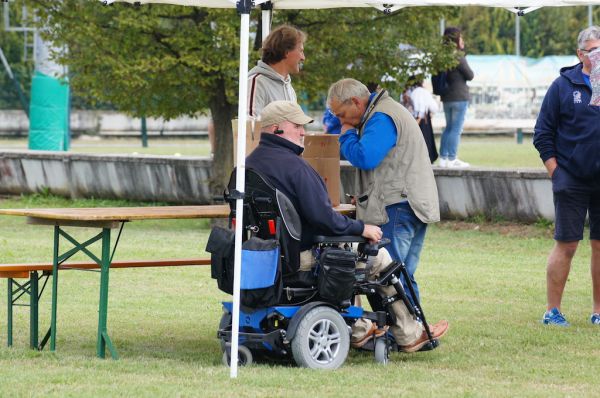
point(501, 151)
point(156, 146)
point(488, 280)
point(486, 151)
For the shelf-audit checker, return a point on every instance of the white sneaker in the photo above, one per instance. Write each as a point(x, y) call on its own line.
point(443, 162)
point(457, 163)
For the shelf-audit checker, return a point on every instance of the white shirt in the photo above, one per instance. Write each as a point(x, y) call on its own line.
point(423, 102)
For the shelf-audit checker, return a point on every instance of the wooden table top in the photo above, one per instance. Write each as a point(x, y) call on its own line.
point(134, 213)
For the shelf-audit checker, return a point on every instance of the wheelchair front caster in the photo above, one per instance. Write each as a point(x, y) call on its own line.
point(382, 351)
point(244, 356)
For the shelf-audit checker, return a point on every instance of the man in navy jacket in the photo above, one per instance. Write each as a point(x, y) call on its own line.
point(567, 136)
point(277, 157)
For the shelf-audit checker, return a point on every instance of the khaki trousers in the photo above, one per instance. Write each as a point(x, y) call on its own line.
point(406, 329)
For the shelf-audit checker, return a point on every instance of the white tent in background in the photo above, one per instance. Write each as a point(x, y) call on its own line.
point(244, 7)
point(542, 72)
point(509, 87)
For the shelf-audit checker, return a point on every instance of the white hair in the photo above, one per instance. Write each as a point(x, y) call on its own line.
point(591, 33)
point(343, 90)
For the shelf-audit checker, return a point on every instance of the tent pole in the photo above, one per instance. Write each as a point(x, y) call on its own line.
point(590, 15)
point(517, 35)
point(244, 7)
point(267, 12)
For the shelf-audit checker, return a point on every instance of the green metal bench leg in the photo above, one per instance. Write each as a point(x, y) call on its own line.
point(33, 310)
point(54, 290)
point(103, 338)
point(9, 313)
point(44, 340)
point(109, 344)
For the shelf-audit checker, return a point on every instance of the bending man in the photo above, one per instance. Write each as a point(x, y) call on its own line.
point(394, 179)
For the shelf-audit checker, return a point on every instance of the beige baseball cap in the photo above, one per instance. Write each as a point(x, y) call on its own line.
point(279, 111)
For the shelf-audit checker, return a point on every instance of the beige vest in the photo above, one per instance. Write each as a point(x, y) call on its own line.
point(404, 174)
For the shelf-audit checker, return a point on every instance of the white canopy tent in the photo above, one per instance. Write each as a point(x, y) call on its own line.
point(519, 7)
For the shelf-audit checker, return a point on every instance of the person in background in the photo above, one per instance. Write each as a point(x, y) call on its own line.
point(455, 100)
point(567, 136)
point(282, 54)
point(423, 106)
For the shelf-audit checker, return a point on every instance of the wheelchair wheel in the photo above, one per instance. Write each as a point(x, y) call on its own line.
point(244, 356)
point(322, 340)
point(382, 351)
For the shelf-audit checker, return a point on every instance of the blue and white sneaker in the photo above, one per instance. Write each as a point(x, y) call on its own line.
point(555, 317)
point(595, 319)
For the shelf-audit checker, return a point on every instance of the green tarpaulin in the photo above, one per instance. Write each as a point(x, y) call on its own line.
point(49, 113)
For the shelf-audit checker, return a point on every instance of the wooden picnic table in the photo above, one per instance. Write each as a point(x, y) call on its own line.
point(105, 219)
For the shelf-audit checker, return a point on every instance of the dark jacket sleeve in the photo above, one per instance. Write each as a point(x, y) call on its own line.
point(464, 68)
point(547, 123)
point(316, 208)
point(458, 90)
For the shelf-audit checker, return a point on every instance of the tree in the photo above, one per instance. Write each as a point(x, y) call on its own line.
point(13, 47)
point(546, 31)
point(164, 60)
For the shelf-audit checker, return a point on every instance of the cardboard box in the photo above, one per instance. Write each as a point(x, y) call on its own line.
point(252, 137)
point(322, 152)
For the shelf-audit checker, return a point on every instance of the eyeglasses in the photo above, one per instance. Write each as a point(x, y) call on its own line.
point(588, 50)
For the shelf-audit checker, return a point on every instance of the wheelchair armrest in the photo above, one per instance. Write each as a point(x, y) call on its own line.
point(371, 249)
point(339, 239)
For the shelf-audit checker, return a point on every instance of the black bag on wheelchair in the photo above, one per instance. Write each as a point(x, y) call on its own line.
point(336, 278)
point(221, 245)
point(261, 283)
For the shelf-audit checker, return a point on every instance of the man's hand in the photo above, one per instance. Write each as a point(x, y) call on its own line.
point(551, 166)
point(346, 127)
point(372, 233)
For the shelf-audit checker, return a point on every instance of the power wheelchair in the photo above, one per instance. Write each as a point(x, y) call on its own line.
point(304, 315)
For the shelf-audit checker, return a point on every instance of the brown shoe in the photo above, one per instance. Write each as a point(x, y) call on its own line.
point(437, 331)
point(373, 332)
point(380, 332)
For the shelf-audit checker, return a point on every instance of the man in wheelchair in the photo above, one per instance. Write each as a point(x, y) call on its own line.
point(308, 226)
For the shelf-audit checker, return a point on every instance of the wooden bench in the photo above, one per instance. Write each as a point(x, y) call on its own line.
point(23, 270)
point(30, 288)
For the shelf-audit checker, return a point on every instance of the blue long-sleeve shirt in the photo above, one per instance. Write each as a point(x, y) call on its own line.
point(378, 138)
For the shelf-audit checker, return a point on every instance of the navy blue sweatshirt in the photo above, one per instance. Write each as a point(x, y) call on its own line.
point(279, 161)
point(568, 128)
